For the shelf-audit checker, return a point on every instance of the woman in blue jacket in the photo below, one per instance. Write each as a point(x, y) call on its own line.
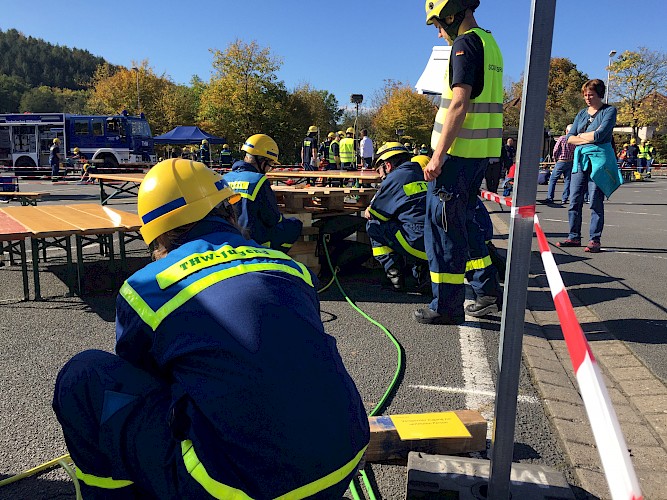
point(223, 375)
point(593, 126)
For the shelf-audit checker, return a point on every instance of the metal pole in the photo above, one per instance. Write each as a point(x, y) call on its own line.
point(612, 53)
point(138, 101)
point(531, 137)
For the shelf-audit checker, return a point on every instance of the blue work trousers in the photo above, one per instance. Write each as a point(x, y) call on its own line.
point(115, 422)
point(581, 184)
point(452, 236)
point(563, 168)
point(55, 168)
point(383, 236)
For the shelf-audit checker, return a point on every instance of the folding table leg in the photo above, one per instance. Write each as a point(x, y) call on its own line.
point(34, 243)
point(70, 266)
point(79, 264)
point(24, 270)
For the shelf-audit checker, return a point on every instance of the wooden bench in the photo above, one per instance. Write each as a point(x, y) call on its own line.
point(25, 197)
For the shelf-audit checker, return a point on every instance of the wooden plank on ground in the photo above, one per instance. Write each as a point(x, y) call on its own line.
point(387, 447)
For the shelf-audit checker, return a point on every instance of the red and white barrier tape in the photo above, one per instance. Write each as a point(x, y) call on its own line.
point(621, 477)
point(620, 473)
point(503, 200)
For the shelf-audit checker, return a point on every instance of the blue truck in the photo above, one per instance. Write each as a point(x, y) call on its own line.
point(112, 143)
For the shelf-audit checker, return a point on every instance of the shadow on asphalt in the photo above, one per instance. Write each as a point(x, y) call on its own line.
point(37, 488)
point(638, 330)
point(73, 197)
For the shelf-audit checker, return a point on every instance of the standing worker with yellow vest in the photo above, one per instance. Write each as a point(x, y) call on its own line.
point(347, 150)
point(467, 132)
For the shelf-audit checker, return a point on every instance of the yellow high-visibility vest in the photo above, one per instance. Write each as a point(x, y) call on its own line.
point(346, 150)
point(481, 135)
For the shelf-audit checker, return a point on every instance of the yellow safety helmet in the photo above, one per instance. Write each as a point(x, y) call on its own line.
point(407, 145)
point(625, 145)
point(75, 151)
point(444, 8)
point(341, 133)
point(204, 141)
point(56, 141)
point(331, 135)
point(387, 150)
point(225, 146)
point(633, 141)
point(423, 145)
point(422, 160)
point(312, 129)
point(350, 130)
point(261, 145)
point(176, 192)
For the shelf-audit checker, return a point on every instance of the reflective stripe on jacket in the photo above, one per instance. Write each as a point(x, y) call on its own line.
point(481, 133)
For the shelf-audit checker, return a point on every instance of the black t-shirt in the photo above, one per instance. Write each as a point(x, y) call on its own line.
point(466, 63)
point(309, 144)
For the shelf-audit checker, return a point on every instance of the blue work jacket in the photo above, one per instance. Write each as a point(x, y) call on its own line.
point(258, 211)
point(235, 329)
point(402, 197)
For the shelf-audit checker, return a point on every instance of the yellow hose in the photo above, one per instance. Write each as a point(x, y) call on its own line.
point(36, 470)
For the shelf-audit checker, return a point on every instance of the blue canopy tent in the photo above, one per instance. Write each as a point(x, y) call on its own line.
point(187, 135)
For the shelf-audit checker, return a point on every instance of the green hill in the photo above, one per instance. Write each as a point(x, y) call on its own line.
point(36, 62)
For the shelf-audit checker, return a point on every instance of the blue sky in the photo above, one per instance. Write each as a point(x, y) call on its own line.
point(344, 47)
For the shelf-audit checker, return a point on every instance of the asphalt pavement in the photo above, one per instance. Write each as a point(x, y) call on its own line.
point(446, 367)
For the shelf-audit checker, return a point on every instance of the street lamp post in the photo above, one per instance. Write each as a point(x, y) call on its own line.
point(606, 97)
point(134, 68)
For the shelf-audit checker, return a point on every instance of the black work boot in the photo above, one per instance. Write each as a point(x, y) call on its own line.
point(423, 280)
point(484, 305)
point(396, 278)
point(428, 316)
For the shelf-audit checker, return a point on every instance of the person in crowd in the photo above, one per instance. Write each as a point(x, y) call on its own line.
point(492, 174)
point(424, 150)
point(197, 402)
point(257, 212)
point(366, 150)
point(623, 154)
point(633, 153)
point(595, 169)
point(510, 156)
point(396, 217)
point(563, 155)
point(650, 158)
point(205, 153)
point(54, 159)
point(346, 148)
point(326, 156)
point(226, 158)
point(460, 157)
point(309, 151)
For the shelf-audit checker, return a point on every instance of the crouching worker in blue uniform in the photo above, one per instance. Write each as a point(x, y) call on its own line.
point(396, 217)
point(258, 210)
point(223, 375)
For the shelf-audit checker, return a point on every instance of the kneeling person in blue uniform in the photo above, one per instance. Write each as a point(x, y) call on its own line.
point(258, 210)
point(221, 367)
point(396, 216)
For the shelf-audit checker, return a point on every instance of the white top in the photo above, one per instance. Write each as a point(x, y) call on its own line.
point(366, 148)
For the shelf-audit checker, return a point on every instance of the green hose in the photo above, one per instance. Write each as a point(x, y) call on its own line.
point(399, 366)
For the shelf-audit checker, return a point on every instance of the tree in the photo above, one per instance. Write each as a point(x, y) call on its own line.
point(401, 107)
point(319, 107)
point(563, 96)
point(245, 97)
point(164, 103)
point(634, 77)
point(11, 90)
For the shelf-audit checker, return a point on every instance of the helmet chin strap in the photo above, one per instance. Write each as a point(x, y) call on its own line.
point(453, 29)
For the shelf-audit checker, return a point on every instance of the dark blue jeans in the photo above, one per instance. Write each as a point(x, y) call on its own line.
point(581, 184)
point(564, 168)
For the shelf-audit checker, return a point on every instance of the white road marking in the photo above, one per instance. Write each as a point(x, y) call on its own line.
point(460, 390)
point(633, 213)
point(642, 255)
